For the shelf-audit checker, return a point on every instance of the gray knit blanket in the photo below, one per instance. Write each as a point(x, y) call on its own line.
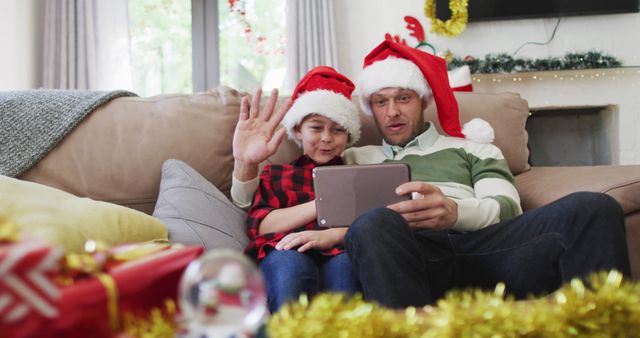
point(32, 122)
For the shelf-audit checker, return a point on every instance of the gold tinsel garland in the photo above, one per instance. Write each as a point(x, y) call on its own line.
point(159, 323)
point(606, 308)
point(456, 23)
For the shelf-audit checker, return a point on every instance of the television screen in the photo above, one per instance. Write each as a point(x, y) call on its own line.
point(484, 10)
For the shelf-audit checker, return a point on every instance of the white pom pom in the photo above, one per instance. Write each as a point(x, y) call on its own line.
point(478, 130)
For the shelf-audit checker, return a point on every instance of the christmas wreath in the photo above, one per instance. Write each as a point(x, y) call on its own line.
point(456, 23)
point(505, 63)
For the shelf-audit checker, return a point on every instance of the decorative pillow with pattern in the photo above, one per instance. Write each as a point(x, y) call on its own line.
point(196, 212)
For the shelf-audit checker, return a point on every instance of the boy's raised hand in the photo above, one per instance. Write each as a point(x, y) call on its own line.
point(255, 138)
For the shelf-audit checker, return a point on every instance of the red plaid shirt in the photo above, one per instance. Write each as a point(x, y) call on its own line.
point(282, 186)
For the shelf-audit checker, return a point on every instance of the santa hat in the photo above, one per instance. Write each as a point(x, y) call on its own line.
point(326, 92)
point(392, 64)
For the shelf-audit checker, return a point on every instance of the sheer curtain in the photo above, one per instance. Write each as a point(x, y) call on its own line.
point(311, 38)
point(86, 45)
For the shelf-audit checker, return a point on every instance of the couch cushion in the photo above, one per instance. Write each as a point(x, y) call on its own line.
point(66, 220)
point(116, 153)
point(507, 113)
point(196, 212)
point(542, 185)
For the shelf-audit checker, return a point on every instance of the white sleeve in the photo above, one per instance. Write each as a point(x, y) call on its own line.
point(474, 214)
point(242, 192)
point(496, 200)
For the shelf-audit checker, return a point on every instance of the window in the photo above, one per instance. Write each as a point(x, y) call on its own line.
point(252, 34)
point(250, 45)
point(160, 33)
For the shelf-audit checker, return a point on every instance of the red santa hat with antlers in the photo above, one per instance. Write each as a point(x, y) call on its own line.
point(392, 64)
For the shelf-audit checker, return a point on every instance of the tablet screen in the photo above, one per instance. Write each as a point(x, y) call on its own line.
point(345, 192)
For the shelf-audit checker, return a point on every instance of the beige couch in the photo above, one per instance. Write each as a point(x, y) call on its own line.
point(116, 154)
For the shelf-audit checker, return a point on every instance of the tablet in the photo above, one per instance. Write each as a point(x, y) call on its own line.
point(345, 192)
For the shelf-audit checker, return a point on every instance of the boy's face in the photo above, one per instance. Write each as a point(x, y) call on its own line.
point(398, 114)
point(322, 139)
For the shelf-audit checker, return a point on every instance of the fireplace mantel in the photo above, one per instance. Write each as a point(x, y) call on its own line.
point(615, 88)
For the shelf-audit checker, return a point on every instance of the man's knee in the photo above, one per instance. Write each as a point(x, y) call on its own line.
point(599, 215)
point(372, 224)
point(595, 202)
point(600, 207)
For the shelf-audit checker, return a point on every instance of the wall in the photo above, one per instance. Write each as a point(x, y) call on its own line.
point(21, 40)
point(361, 25)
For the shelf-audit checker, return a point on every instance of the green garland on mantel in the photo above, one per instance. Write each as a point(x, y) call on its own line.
point(504, 63)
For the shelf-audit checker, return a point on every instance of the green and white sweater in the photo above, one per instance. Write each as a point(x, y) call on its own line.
point(475, 175)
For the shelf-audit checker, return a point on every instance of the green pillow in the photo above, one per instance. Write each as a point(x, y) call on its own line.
point(69, 221)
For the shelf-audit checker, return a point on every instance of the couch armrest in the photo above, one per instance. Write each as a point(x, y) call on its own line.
point(542, 185)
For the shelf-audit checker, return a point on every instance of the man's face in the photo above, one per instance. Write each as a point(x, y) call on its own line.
point(398, 114)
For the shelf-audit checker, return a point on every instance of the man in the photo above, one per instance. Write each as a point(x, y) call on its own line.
point(464, 226)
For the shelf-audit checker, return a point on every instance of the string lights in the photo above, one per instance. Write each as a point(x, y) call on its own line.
point(560, 75)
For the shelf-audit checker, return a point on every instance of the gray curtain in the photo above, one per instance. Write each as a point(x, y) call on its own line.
point(311, 38)
point(86, 45)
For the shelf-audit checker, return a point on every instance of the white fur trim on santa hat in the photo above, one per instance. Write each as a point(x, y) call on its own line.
point(326, 103)
point(478, 130)
point(459, 77)
point(388, 73)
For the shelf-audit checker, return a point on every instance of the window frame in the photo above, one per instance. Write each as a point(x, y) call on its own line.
point(205, 44)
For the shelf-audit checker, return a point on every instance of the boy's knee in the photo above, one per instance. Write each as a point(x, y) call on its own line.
point(288, 262)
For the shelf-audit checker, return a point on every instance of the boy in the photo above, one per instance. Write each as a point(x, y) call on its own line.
point(295, 254)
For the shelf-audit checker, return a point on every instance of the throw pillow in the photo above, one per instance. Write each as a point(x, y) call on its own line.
point(196, 212)
point(69, 221)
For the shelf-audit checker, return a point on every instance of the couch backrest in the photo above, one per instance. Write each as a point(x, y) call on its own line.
point(116, 153)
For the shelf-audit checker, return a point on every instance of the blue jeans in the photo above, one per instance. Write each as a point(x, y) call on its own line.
point(533, 254)
point(289, 273)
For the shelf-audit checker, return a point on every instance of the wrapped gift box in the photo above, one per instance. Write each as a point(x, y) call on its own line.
point(92, 305)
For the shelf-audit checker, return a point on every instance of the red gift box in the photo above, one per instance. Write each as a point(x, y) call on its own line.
point(28, 296)
point(95, 306)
